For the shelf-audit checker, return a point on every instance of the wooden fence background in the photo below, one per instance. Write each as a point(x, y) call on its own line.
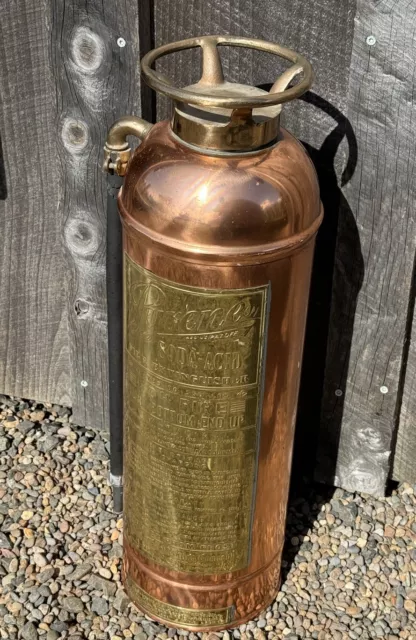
point(64, 78)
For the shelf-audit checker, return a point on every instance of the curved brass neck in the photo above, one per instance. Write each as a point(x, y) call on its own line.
point(117, 151)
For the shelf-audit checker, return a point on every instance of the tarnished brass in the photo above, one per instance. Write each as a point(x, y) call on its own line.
point(223, 116)
point(184, 618)
point(227, 131)
point(212, 73)
point(193, 393)
point(117, 151)
point(220, 209)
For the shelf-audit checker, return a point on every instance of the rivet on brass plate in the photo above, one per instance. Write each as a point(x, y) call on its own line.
point(193, 405)
point(178, 615)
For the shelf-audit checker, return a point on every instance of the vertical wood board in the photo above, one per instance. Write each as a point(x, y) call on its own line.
point(404, 464)
point(34, 355)
point(373, 269)
point(97, 81)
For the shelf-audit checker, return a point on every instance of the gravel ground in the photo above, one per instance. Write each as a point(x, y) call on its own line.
point(349, 562)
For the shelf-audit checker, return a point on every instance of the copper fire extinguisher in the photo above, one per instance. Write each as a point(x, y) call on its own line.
point(220, 208)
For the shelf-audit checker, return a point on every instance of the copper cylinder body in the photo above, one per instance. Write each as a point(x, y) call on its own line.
point(211, 226)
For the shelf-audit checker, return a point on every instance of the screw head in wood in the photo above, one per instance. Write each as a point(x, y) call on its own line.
point(338, 392)
point(371, 40)
point(121, 42)
point(84, 383)
point(384, 389)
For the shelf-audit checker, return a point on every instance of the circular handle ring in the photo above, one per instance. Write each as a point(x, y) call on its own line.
point(157, 82)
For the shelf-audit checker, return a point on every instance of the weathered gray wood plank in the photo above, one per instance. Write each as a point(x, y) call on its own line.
point(368, 318)
point(404, 464)
point(34, 355)
point(96, 82)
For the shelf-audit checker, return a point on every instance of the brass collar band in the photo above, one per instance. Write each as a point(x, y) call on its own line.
point(241, 131)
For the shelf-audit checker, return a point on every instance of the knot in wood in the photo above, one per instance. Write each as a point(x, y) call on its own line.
point(82, 307)
point(87, 49)
point(81, 237)
point(74, 135)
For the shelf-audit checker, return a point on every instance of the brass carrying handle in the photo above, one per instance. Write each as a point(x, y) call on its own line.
point(212, 73)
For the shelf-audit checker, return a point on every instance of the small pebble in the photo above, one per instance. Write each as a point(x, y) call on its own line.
point(39, 560)
point(105, 573)
point(29, 632)
point(99, 606)
point(73, 604)
point(410, 606)
point(5, 444)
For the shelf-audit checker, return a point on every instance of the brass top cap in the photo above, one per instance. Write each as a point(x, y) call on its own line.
point(222, 116)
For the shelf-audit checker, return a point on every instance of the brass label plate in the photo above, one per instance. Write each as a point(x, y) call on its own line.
point(193, 393)
point(178, 615)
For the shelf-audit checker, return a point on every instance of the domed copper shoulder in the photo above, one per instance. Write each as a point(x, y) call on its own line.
point(232, 205)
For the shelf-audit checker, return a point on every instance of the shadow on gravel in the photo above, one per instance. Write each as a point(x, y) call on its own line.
point(306, 501)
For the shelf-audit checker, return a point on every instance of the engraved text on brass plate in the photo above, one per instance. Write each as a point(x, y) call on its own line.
point(193, 403)
point(178, 615)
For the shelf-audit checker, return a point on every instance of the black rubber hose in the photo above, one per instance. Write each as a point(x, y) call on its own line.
point(115, 338)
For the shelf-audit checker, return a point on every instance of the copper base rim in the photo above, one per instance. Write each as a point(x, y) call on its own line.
point(231, 625)
point(155, 574)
